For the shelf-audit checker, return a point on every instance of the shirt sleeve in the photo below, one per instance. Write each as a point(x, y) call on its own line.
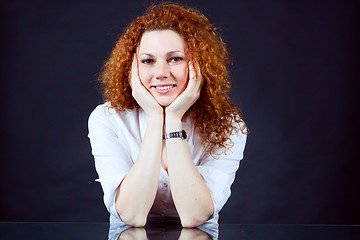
point(111, 155)
point(219, 171)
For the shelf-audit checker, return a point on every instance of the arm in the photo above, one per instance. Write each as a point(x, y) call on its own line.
point(137, 191)
point(191, 196)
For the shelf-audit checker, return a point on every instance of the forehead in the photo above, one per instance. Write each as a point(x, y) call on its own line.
point(161, 41)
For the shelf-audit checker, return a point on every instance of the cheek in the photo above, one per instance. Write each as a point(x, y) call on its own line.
point(144, 76)
point(182, 75)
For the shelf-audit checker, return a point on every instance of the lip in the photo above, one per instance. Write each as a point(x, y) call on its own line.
point(165, 90)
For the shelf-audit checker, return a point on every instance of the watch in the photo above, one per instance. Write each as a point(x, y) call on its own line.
point(178, 134)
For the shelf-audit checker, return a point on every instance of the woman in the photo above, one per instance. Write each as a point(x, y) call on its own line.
point(167, 142)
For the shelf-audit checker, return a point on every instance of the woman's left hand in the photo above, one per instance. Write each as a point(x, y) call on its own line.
point(189, 96)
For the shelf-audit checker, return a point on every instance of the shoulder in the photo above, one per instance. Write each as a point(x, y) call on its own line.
point(104, 114)
point(240, 131)
point(234, 146)
point(105, 110)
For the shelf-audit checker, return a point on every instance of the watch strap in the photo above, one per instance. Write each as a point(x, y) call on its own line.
point(177, 134)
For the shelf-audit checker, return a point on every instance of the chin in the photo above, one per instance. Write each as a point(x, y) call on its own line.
point(165, 103)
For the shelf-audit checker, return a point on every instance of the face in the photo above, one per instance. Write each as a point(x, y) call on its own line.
point(163, 65)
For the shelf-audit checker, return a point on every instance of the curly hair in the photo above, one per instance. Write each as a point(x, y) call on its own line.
point(214, 117)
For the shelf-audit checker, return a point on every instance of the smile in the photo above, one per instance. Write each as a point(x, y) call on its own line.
point(162, 88)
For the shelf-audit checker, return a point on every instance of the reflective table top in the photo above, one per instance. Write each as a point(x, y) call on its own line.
point(89, 231)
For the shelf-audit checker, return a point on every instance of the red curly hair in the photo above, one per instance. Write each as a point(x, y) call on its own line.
point(214, 117)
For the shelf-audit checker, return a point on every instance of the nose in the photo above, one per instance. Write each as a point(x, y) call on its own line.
point(162, 70)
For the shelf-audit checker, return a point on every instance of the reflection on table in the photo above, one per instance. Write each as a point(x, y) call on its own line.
point(171, 232)
point(100, 231)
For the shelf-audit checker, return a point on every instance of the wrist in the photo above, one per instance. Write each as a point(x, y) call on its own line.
point(173, 115)
point(155, 118)
point(172, 123)
point(177, 134)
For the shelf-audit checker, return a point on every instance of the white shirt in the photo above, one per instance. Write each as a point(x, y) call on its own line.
point(115, 139)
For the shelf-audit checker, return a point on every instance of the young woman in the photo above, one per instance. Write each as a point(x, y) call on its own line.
point(167, 142)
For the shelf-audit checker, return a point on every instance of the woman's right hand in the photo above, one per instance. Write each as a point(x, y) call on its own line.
point(142, 96)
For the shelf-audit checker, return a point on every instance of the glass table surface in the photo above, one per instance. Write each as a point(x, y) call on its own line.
point(89, 231)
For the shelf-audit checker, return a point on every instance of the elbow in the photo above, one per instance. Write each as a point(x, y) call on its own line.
point(191, 223)
point(133, 221)
point(197, 218)
point(194, 221)
point(133, 218)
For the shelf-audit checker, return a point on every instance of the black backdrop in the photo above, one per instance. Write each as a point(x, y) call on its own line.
point(294, 75)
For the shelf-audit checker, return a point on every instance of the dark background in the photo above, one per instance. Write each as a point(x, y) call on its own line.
point(294, 74)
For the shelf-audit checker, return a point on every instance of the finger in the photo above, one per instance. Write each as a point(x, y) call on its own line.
point(134, 72)
point(195, 76)
point(200, 78)
point(192, 73)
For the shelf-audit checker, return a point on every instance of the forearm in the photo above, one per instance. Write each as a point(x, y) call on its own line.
point(190, 194)
point(137, 191)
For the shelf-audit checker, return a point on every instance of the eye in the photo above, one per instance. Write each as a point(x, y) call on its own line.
point(175, 59)
point(147, 61)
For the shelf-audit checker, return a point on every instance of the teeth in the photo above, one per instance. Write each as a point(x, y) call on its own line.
point(165, 87)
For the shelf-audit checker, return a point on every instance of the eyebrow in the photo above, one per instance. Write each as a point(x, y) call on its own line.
point(168, 54)
point(174, 52)
point(148, 54)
